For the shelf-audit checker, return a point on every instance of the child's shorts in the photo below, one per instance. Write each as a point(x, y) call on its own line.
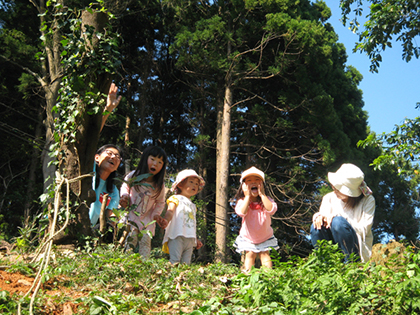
point(242, 244)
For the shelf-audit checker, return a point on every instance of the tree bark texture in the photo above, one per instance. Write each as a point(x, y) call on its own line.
point(222, 176)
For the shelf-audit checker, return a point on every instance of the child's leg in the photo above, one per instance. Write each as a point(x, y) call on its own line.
point(249, 260)
point(145, 246)
point(266, 259)
point(132, 239)
point(187, 250)
point(175, 247)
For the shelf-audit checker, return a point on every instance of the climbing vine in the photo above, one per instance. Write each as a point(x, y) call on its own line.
point(82, 65)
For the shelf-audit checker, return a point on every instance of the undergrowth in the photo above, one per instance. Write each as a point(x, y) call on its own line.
point(109, 281)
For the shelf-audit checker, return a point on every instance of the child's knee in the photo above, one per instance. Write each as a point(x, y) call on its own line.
point(265, 259)
point(265, 255)
point(251, 255)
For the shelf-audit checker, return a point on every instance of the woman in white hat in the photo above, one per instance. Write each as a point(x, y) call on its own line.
point(179, 221)
point(346, 214)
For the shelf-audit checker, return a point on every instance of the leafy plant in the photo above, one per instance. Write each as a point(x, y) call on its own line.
point(110, 281)
point(7, 304)
point(26, 242)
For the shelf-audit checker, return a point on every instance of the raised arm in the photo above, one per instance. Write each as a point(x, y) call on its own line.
point(112, 102)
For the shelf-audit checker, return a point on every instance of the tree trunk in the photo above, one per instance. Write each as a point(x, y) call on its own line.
point(32, 169)
point(202, 169)
point(50, 82)
point(48, 168)
point(80, 155)
point(222, 176)
point(202, 234)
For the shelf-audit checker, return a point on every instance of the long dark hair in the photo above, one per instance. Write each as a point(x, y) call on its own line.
point(352, 202)
point(143, 168)
point(111, 177)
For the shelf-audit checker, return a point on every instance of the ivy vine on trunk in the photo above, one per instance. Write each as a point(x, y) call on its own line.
point(89, 57)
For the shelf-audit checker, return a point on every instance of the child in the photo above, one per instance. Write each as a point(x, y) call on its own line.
point(255, 208)
point(149, 199)
point(107, 160)
point(179, 221)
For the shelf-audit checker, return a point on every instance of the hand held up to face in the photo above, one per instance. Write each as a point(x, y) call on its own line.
point(261, 191)
point(246, 189)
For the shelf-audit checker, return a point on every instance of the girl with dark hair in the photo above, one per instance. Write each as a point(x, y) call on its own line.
point(148, 199)
point(107, 161)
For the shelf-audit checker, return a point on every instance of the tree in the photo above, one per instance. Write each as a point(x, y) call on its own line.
point(76, 63)
point(396, 202)
point(386, 19)
point(21, 115)
point(92, 58)
point(279, 85)
point(224, 56)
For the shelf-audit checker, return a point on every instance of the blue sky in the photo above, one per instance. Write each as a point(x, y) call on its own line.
point(390, 95)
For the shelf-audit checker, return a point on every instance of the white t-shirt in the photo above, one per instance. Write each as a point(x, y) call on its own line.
point(183, 221)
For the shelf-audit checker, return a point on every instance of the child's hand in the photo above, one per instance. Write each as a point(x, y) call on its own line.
point(162, 222)
point(199, 244)
point(245, 189)
point(261, 191)
point(124, 201)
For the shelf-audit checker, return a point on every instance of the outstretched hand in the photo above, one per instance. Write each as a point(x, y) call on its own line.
point(112, 100)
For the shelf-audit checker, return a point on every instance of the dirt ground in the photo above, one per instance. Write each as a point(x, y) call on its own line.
point(17, 283)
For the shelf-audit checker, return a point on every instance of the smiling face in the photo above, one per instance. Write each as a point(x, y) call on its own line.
point(253, 184)
point(189, 187)
point(154, 164)
point(108, 161)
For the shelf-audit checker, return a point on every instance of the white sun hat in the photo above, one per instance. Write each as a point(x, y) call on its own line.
point(252, 171)
point(349, 180)
point(187, 173)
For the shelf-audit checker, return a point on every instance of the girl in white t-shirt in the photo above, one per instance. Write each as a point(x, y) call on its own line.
point(179, 221)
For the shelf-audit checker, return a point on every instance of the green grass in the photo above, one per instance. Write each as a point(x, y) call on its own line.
point(109, 281)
